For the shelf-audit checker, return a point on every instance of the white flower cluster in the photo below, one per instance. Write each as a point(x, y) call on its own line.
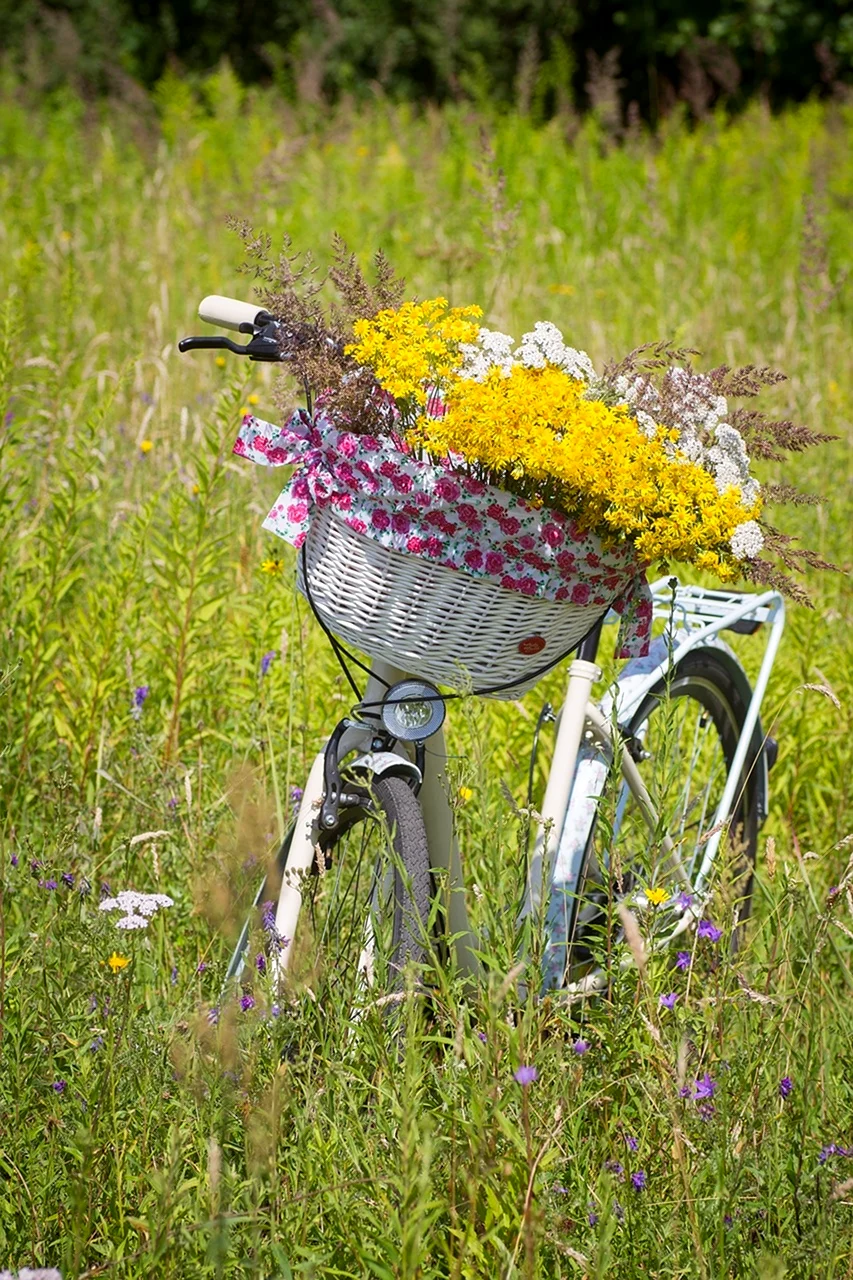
point(32, 1273)
point(747, 540)
point(138, 908)
point(542, 346)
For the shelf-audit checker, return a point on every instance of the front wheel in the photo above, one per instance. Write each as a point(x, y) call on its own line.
point(684, 736)
point(365, 904)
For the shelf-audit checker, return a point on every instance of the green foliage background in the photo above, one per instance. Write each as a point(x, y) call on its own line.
point(542, 55)
point(299, 1145)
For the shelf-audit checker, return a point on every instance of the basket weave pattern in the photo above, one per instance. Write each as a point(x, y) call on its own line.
point(438, 623)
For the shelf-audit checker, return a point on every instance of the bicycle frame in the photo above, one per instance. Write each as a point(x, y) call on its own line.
point(586, 735)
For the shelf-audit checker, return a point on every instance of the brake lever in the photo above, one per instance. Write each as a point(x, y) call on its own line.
point(260, 347)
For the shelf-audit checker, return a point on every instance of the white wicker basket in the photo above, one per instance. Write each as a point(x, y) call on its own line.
point(438, 623)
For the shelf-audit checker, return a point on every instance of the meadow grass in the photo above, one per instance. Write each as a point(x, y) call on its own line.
point(140, 1133)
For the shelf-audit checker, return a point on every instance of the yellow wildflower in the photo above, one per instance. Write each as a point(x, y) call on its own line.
point(657, 897)
point(117, 962)
point(220, 362)
point(465, 794)
point(272, 566)
point(415, 346)
point(146, 446)
point(253, 399)
point(244, 409)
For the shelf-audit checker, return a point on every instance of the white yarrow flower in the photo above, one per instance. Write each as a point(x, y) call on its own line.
point(747, 540)
point(132, 922)
point(138, 908)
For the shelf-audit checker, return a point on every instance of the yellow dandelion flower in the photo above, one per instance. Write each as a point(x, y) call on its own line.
point(117, 962)
point(253, 399)
point(272, 566)
point(220, 362)
point(146, 446)
point(657, 897)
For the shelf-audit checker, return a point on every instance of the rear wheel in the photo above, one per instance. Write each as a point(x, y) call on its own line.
point(684, 736)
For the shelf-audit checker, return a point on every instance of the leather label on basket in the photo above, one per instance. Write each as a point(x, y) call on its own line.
point(532, 644)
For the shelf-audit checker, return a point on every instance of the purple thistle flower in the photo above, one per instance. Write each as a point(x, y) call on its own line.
point(525, 1076)
point(668, 1001)
point(580, 1047)
point(683, 960)
point(704, 1088)
point(50, 885)
point(639, 1180)
point(707, 929)
point(247, 1002)
point(266, 662)
point(68, 879)
point(630, 1142)
point(14, 859)
point(786, 1087)
point(59, 1086)
point(261, 962)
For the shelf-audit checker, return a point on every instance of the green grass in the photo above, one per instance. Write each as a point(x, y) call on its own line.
point(299, 1145)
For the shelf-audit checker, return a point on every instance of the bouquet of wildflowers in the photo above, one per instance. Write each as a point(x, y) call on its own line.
point(646, 454)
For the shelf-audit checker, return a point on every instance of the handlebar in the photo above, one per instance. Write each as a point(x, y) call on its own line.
point(243, 317)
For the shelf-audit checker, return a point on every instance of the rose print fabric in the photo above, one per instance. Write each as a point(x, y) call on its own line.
point(383, 490)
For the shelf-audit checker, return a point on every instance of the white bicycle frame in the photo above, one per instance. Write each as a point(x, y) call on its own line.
point(696, 617)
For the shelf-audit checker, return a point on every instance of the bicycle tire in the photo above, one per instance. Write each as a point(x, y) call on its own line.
point(385, 840)
point(704, 682)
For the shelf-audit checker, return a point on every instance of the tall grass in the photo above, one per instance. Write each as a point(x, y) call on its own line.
point(250, 1142)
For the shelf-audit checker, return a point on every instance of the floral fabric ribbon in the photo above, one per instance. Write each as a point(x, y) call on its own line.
point(381, 489)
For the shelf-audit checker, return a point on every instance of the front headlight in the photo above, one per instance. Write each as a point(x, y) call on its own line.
point(413, 710)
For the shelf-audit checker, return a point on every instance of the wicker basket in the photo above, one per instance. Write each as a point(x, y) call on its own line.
point(437, 623)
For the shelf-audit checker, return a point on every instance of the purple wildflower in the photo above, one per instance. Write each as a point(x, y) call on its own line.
point(728, 1221)
point(707, 929)
point(174, 975)
point(35, 866)
point(614, 1167)
point(93, 1003)
point(268, 916)
point(618, 1211)
point(525, 1076)
point(707, 1111)
point(140, 693)
point(481, 1035)
point(200, 967)
point(684, 901)
point(296, 794)
point(704, 1088)
point(68, 879)
point(668, 1001)
point(684, 1091)
point(106, 891)
point(630, 1142)
point(247, 1002)
point(683, 960)
point(592, 1217)
point(97, 1043)
point(786, 1087)
point(50, 885)
point(172, 802)
point(213, 1016)
point(639, 1180)
point(261, 962)
point(275, 1011)
point(14, 859)
point(59, 1086)
point(580, 1047)
point(266, 661)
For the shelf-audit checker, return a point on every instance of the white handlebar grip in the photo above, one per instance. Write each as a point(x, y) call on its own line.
point(228, 313)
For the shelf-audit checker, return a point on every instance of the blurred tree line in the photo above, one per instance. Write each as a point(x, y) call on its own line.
point(541, 56)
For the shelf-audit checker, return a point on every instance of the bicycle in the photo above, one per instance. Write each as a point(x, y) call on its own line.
point(373, 837)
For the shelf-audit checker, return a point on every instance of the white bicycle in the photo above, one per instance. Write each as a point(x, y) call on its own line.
point(371, 861)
